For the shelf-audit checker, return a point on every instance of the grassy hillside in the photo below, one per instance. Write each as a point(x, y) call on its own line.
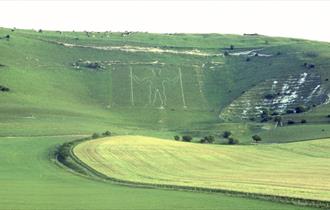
point(173, 82)
point(256, 169)
point(58, 86)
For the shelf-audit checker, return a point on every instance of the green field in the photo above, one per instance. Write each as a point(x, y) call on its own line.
point(68, 85)
point(30, 180)
point(293, 170)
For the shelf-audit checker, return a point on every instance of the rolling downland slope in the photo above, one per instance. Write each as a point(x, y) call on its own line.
point(64, 82)
point(59, 86)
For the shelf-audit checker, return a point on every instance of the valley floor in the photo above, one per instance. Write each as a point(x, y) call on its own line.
point(30, 180)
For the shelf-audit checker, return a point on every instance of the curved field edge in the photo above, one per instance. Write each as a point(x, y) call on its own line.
point(65, 156)
point(296, 170)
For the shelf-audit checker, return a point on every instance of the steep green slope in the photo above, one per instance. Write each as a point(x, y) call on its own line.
point(135, 83)
point(175, 82)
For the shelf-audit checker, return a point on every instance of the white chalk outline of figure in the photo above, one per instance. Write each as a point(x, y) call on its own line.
point(156, 92)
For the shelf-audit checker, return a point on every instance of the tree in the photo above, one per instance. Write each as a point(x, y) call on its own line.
point(226, 53)
point(95, 135)
point(186, 138)
point(232, 141)
point(256, 138)
point(226, 134)
point(202, 140)
point(4, 89)
point(291, 122)
point(107, 133)
point(303, 121)
point(177, 138)
point(208, 139)
point(231, 47)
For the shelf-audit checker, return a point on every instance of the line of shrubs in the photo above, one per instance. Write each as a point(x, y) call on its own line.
point(210, 139)
point(97, 135)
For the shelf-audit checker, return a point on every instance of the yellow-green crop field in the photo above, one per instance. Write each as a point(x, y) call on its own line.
point(294, 169)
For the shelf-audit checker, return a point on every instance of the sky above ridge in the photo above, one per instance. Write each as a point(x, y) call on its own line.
point(298, 19)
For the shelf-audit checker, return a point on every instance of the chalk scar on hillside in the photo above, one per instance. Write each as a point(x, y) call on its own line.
point(129, 48)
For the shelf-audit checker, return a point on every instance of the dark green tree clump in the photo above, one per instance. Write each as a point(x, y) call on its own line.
point(95, 135)
point(107, 133)
point(4, 89)
point(177, 138)
point(291, 122)
point(256, 138)
point(226, 134)
point(232, 141)
point(208, 139)
point(186, 138)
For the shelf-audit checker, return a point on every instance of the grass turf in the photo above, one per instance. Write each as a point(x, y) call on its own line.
point(293, 170)
point(29, 180)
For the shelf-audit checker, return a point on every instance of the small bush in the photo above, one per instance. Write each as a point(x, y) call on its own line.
point(177, 138)
point(186, 138)
point(4, 89)
point(107, 133)
point(95, 135)
point(291, 122)
point(232, 141)
point(208, 139)
point(231, 47)
point(328, 115)
point(303, 121)
point(202, 141)
point(226, 134)
point(256, 138)
point(94, 65)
